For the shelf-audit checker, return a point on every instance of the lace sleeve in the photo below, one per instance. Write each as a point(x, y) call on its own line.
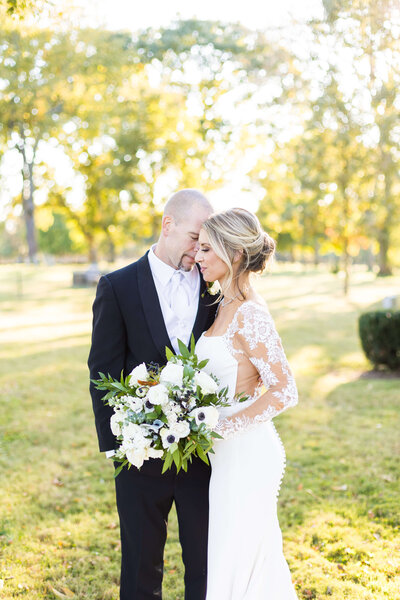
point(256, 338)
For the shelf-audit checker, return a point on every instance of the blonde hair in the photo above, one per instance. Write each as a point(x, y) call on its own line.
point(238, 230)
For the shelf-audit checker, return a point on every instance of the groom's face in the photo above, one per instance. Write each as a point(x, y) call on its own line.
point(182, 238)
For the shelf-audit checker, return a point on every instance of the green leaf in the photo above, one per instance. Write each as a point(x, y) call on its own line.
point(202, 363)
point(119, 469)
point(201, 454)
point(177, 459)
point(189, 451)
point(168, 353)
point(192, 344)
point(167, 462)
point(188, 372)
point(183, 349)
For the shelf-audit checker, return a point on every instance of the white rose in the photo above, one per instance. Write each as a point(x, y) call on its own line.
point(171, 418)
point(139, 373)
point(214, 288)
point(134, 436)
point(115, 421)
point(205, 382)
point(208, 415)
point(157, 394)
point(153, 453)
point(181, 428)
point(172, 374)
point(136, 456)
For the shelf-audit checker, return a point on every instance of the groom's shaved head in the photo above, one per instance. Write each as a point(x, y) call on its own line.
point(182, 203)
point(184, 214)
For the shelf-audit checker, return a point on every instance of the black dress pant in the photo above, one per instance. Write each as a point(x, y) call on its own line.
point(144, 499)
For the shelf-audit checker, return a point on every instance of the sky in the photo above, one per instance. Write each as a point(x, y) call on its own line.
point(257, 14)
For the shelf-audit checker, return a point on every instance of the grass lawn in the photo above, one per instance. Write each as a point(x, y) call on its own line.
point(339, 502)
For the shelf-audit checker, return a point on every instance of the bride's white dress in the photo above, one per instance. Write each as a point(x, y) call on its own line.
point(245, 558)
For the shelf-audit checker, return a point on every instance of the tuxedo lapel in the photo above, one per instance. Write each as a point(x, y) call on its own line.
point(203, 312)
point(151, 306)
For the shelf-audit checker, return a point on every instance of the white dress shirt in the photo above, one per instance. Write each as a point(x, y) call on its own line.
point(178, 293)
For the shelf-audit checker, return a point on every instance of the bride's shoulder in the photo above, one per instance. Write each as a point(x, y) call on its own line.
point(251, 312)
point(254, 305)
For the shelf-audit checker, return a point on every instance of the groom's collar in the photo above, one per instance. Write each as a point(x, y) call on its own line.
point(164, 272)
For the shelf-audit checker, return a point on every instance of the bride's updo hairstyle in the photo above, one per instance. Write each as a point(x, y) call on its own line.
point(238, 230)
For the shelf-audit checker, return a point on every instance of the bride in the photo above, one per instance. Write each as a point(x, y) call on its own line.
point(245, 558)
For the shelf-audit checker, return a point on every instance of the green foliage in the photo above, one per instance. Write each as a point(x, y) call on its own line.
point(380, 338)
point(179, 106)
point(338, 177)
point(56, 239)
point(23, 8)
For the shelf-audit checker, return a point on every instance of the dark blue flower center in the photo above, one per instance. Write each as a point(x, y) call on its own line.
point(170, 439)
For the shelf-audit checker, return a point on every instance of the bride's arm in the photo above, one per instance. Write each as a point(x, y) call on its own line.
point(257, 338)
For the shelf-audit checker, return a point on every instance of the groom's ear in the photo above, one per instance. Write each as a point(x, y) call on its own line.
point(166, 224)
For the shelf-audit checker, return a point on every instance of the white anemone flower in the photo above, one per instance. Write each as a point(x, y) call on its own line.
point(135, 404)
point(207, 414)
point(168, 437)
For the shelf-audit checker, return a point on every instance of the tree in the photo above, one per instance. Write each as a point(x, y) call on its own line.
point(366, 29)
point(33, 102)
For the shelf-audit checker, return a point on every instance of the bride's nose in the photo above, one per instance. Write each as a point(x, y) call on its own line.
point(197, 258)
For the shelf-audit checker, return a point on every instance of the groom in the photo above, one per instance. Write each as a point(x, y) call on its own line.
point(138, 311)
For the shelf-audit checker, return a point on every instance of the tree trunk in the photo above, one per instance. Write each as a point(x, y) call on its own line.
point(384, 232)
point(29, 208)
point(384, 243)
point(346, 225)
point(346, 268)
point(370, 259)
point(316, 254)
point(92, 255)
point(111, 249)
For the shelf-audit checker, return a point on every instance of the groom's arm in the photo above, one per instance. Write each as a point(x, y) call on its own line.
point(107, 355)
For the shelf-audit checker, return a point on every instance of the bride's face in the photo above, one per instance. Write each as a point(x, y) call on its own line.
point(211, 266)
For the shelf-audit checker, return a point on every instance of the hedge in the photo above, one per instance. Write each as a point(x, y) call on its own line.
point(380, 337)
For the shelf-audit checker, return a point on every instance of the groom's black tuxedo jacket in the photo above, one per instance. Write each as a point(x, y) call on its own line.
point(128, 329)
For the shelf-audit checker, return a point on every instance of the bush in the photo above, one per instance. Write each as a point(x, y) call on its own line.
point(380, 337)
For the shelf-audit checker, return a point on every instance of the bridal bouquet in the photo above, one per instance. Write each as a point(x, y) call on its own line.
point(168, 412)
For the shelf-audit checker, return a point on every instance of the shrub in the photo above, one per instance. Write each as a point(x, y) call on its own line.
point(380, 337)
